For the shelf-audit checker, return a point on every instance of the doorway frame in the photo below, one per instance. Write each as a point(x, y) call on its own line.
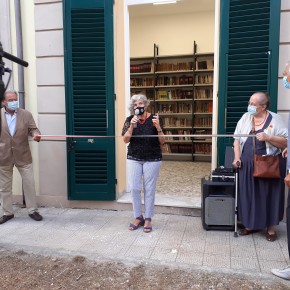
point(128, 3)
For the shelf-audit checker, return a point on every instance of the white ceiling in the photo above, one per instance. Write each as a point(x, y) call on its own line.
point(181, 7)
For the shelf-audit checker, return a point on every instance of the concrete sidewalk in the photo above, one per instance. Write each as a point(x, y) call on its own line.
point(175, 239)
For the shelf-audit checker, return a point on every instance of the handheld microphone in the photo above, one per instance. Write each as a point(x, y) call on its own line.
point(137, 112)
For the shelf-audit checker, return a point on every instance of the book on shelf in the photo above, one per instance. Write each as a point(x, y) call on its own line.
point(181, 132)
point(181, 148)
point(204, 79)
point(177, 107)
point(203, 107)
point(171, 67)
point(180, 88)
point(203, 93)
point(210, 64)
point(202, 148)
point(203, 121)
point(176, 122)
point(174, 94)
point(163, 95)
point(205, 64)
point(174, 81)
point(204, 133)
point(141, 82)
point(166, 148)
point(141, 67)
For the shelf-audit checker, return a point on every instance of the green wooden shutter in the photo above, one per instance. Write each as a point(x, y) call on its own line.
point(88, 27)
point(248, 63)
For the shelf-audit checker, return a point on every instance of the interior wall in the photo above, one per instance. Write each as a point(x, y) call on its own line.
point(122, 81)
point(174, 34)
point(284, 56)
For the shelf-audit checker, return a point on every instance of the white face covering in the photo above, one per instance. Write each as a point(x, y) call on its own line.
point(252, 110)
point(286, 84)
point(12, 105)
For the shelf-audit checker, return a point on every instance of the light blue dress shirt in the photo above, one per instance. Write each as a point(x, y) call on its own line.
point(11, 121)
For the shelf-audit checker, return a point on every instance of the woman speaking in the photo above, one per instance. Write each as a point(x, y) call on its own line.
point(144, 158)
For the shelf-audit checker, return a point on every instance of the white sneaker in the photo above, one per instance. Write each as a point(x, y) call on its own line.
point(282, 273)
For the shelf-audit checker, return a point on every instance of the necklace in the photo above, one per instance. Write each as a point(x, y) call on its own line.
point(257, 125)
point(142, 121)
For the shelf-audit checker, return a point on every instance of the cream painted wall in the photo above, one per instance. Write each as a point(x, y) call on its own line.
point(51, 99)
point(44, 83)
point(173, 34)
point(5, 32)
point(27, 12)
point(122, 82)
point(284, 56)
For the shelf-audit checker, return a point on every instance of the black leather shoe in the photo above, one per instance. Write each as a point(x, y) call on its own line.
point(6, 218)
point(36, 216)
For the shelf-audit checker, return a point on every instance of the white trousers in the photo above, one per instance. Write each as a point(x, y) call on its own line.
point(147, 172)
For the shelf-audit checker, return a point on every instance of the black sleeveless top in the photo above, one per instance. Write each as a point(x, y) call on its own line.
point(147, 148)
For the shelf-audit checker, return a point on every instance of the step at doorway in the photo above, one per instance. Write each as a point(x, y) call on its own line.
point(179, 184)
point(180, 181)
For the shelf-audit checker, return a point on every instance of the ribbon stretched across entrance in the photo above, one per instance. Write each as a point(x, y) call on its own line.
point(47, 137)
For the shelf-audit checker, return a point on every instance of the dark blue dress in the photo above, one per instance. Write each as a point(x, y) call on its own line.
point(260, 200)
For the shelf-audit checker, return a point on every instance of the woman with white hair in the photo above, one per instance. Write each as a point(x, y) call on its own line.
point(144, 158)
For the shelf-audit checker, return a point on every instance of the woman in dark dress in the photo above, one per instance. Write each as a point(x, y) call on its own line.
point(260, 200)
point(144, 158)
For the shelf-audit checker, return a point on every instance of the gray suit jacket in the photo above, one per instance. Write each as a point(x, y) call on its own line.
point(15, 149)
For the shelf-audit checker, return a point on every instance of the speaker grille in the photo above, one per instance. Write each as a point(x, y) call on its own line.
point(219, 210)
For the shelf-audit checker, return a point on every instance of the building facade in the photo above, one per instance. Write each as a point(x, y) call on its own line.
point(47, 46)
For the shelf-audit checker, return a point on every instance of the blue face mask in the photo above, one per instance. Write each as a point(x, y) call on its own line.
point(286, 84)
point(252, 110)
point(12, 105)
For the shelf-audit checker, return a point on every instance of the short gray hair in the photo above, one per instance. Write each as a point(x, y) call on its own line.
point(264, 99)
point(136, 98)
point(10, 92)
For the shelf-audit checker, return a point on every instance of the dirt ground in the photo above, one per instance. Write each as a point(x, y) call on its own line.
point(20, 270)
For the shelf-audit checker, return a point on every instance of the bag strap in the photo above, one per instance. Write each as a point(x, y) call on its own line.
point(254, 137)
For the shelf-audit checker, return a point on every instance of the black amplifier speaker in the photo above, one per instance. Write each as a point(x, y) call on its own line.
point(218, 205)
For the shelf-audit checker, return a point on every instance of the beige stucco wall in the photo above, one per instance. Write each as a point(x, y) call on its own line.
point(174, 34)
point(284, 56)
point(51, 99)
point(8, 12)
point(44, 80)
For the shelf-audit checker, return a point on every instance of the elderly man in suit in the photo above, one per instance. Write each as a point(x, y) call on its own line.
point(285, 272)
point(16, 125)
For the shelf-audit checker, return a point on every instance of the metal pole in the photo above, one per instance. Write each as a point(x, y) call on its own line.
point(20, 67)
point(19, 53)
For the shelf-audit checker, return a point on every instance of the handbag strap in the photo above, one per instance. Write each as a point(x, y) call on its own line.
point(254, 137)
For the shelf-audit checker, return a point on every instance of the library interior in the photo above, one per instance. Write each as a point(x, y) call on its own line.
point(172, 63)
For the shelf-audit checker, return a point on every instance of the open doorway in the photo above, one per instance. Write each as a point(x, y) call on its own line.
point(174, 28)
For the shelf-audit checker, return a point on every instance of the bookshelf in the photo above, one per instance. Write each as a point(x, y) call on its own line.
point(180, 88)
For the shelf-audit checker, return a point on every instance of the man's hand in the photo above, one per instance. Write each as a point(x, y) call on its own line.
point(287, 180)
point(36, 137)
point(284, 153)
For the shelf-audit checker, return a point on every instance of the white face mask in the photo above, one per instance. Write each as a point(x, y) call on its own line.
point(12, 105)
point(286, 84)
point(252, 110)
